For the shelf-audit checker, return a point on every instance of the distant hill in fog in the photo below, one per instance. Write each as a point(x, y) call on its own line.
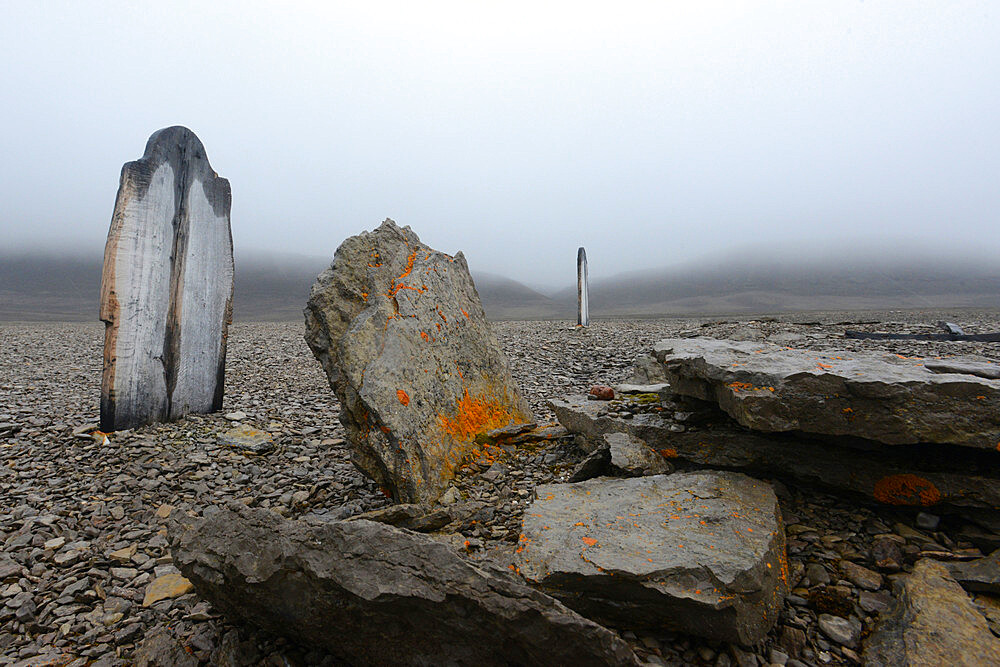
point(46, 287)
point(734, 285)
point(42, 286)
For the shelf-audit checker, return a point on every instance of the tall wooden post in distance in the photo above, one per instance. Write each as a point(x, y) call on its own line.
point(582, 290)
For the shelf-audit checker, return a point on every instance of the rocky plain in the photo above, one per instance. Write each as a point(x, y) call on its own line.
point(87, 576)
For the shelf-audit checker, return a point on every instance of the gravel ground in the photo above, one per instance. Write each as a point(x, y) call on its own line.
point(82, 520)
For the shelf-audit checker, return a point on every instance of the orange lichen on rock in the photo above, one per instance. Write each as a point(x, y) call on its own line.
point(403, 397)
point(397, 283)
point(746, 386)
point(906, 490)
point(475, 414)
point(668, 453)
point(589, 541)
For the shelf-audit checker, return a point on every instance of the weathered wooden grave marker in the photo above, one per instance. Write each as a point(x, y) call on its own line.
point(582, 290)
point(167, 286)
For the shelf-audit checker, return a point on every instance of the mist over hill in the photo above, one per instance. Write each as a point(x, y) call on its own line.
point(37, 286)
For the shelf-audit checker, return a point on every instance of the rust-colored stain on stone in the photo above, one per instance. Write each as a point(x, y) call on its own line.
point(403, 397)
point(906, 490)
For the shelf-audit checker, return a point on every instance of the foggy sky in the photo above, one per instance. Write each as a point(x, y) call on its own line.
point(650, 133)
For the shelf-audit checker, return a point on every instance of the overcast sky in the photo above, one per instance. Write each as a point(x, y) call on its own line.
point(650, 133)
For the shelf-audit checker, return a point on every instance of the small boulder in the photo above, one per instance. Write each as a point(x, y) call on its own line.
point(370, 593)
point(980, 575)
point(602, 392)
point(931, 622)
point(698, 552)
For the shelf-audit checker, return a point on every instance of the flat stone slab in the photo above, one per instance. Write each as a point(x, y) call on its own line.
point(248, 438)
point(957, 477)
point(931, 622)
point(700, 552)
point(373, 594)
point(876, 396)
point(981, 575)
point(167, 286)
point(402, 336)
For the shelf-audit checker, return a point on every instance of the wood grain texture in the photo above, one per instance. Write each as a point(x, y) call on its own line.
point(167, 286)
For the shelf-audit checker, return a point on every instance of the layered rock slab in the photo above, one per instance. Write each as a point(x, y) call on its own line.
point(877, 396)
point(956, 478)
point(402, 336)
point(701, 552)
point(167, 286)
point(374, 594)
point(931, 622)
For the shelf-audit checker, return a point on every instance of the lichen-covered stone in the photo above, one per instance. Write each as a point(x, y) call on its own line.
point(404, 341)
point(699, 552)
point(373, 594)
point(877, 396)
point(167, 286)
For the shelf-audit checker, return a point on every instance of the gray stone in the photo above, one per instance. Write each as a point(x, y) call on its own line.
point(982, 574)
point(877, 396)
point(699, 552)
point(888, 475)
point(400, 331)
point(647, 370)
point(932, 622)
point(631, 457)
point(167, 286)
point(160, 648)
point(840, 630)
point(989, 370)
point(860, 576)
point(370, 593)
point(661, 388)
point(927, 521)
point(410, 516)
point(876, 602)
point(247, 438)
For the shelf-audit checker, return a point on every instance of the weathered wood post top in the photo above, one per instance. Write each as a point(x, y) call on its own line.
point(167, 286)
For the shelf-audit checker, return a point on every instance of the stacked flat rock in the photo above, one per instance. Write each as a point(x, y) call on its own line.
point(167, 286)
point(877, 396)
point(374, 594)
point(701, 552)
point(402, 336)
point(958, 478)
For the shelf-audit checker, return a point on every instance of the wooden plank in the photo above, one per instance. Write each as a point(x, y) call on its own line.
point(167, 285)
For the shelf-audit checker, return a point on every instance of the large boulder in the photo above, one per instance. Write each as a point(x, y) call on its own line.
point(401, 334)
point(374, 594)
point(700, 552)
point(956, 478)
point(877, 396)
point(167, 286)
point(932, 622)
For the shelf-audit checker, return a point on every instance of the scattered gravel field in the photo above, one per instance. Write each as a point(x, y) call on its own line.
point(82, 519)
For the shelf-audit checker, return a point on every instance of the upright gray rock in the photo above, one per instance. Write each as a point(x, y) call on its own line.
point(378, 595)
point(582, 289)
point(401, 334)
point(699, 552)
point(167, 286)
point(882, 397)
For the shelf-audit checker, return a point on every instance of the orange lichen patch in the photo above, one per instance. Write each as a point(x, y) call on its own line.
point(906, 490)
point(820, 364)
point(364, 295)
point(589, 541)
point(385, 429)
point(746, 386)
point(397, 283)
point(475, 414)
point(847, 411)
point(423, 334)
point(403, 397)
point(669, 453)
point(464, 313)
